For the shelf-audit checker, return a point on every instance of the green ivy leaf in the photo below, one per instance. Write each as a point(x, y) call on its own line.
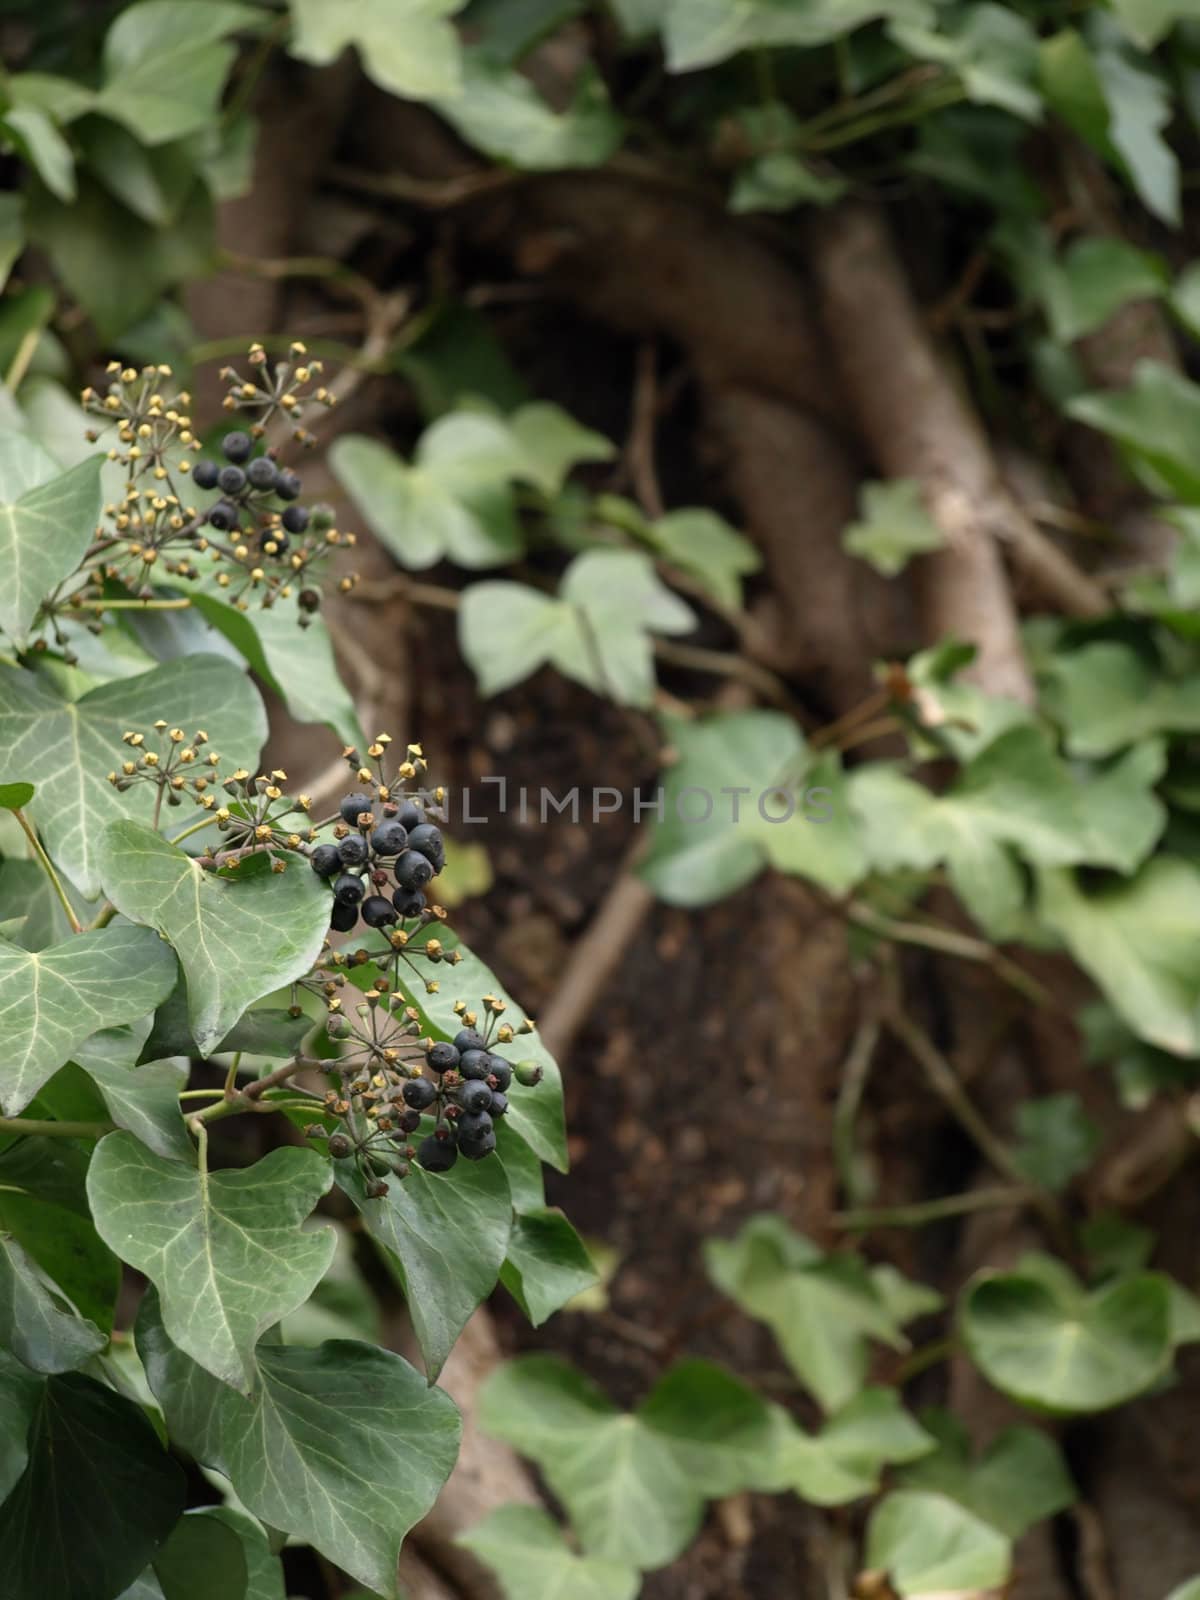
point(47, 520)
point(535, 1115)
point(501, 113)
point(342, 1306)
point(1021, 1478)
point(428, 1221)
point(345, 1446)
point(264, 1031)
point(264, 1569)
point(407, 46)
point(1157, 418)
point(455, 500)
point(928, 1545)
point(34, 1325)
point(634, 1484)
point(780, 181)
point(743, 764)
point(165, 64)
point(598, 631)
point(37, 138)
point(992, 49)
point(525, 1548)
point(214, 921)
point(203, 1557)
point(894, 527)
point(53, 999)
point(1057, 1140)
point(1106, 696)
point(1083, 288)
point(72, 746)
point(700, 33)
point(43, 1205)
point(12, 233)
point(153, 181)
point(546, 1264)
point(1052, 1346)
point(1138, 941)
point(846, 1459)
point(1118, 103)
point(1147, 22)
point(97, 1496)
point(823, 1309)
point(224, 1250)
point(142, 1099)
point(703, 545)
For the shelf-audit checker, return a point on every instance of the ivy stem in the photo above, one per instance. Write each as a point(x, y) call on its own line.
point(48, 868)
point(234, 1101)
point(103, 917)
point(231, 1075)
point(200, 1094)
point(56, 1130)
point(921, 1212)
point(205, 822)
point(181, 604)
point(929, 1355)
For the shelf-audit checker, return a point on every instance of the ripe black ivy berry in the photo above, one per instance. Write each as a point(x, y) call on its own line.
point(287, 485)
point(408, 905)
point(427, 841)
point(499, 1105)
point(348, 890)
point(378, 912)
point(353, 850)
point(469, 1039)
point(474, 1096)
point(326, 860)
point(236, 446)
point(343, 917)
point(499, 1072)
point(474, 1063)
point(353, 806)
point(437, 1155)
point(295, 519)
point(261, 473)
point(412, 871)
point(419, 1093)
point(204, 474)
point(389, 839)
point(443, 1057)
point(232, 480)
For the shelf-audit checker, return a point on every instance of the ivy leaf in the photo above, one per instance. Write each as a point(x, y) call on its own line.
point(822, 1309)
point(780, 181)
point(634, 1484)
point(264, 1031)
point(733, 806)
point(1118, 103)
point(929, 1545)
point(97, 1496)
point(700, 33)
point(1147, 22)
point(845, 1460)
point(142, 1099)
point(1019, 1479)
point(165, 65)
point(445, 1237)
point(1051, 1345)
point(992, 49)
point(203, 1557)
point(213, 922)
point(535, 1115)
point(264, 1569)
point(894, 527)
point(703, 545)
point(500, 112)
point(546, 1264)
point(47, 521)
point(1057, 1140)
point(454, 501)
point(1157, 418)
point(12, 233)
point(342, 1306)
point(43, 146)
point(224, 1249)
point(548, 443)
point(1091, 281)
point(34, 1325)
point(153, 181)
point(345, 1446)
point(43, 1205)
point(598, 631)
point(1138, 941)
point(407, 46)
point(297, 663)
point(53, 999)
point(73, 745)
point(525, 1548)
point(1106, 696)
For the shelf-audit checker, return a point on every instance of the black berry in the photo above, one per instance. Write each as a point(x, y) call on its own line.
point(204, 474)
point(339, 1146)
point(237, 446)
point(413, 871)
point(223, 516)
point(408, 1121)
point(474, 1097)
point(377, 912)
point(427, 841)
point(343, 917)
point(499, 1106)
point(475, 1149)
point(262, 472)
point(442, 1057)
point(419, 1093)
point(325, 860)
point(353, 806)
point(409, 815)
point(353, 850)
point(232, 480)
point(473, 1125)
point(469, 1039)
point(295, 519)
point(499, 1072)
point(389, 839)
point(348, 890)
point(408, 905)
point(437, 1155)
point(287, 485)
point(474, 1064)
